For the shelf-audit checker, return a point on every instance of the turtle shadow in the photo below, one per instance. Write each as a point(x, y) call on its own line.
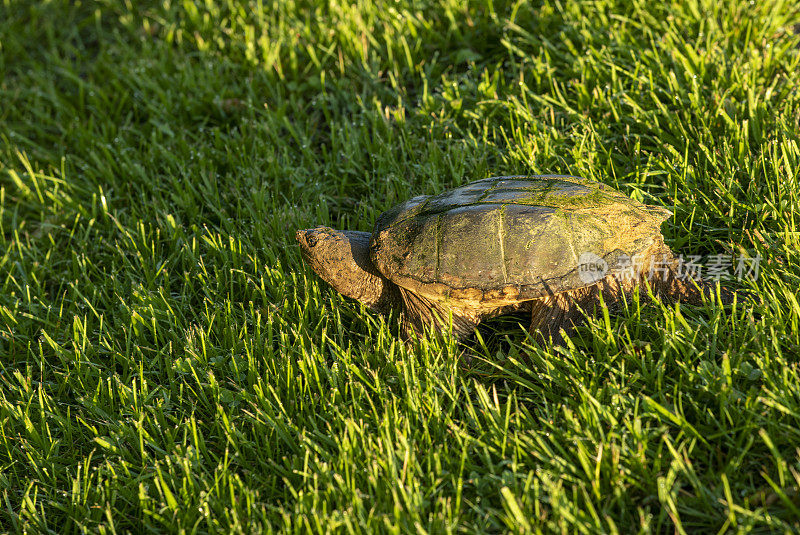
point(502, 336)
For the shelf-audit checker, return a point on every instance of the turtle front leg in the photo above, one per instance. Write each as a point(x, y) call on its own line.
point(420, 314)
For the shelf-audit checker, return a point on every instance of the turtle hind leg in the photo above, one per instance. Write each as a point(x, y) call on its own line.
point(551, 315)
point(562, 312)
point(420, 314)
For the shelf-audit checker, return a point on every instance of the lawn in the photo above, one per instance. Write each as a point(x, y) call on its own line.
point(168, 364)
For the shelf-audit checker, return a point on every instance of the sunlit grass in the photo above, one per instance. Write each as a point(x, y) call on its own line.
point(168, 364)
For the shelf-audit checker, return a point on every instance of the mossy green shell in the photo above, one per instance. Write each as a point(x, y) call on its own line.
point(525, 232)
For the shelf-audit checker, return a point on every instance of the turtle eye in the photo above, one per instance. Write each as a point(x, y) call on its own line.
point(311, 240)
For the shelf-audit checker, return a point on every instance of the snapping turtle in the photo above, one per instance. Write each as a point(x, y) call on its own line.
point(548, 244)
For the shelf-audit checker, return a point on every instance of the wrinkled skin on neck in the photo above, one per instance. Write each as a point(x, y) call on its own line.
point(341, 258)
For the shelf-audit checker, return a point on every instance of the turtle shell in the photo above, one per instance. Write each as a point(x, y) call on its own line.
point(511, 238)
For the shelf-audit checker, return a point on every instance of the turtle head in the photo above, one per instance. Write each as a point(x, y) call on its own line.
point(341, 258)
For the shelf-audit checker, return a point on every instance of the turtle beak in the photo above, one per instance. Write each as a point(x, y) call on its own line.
point(307, 238)
point(302, 239)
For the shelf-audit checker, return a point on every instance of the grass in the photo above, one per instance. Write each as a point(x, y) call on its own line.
point(169, 365)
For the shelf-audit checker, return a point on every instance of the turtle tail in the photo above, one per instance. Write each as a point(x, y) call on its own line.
point(665, 275)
